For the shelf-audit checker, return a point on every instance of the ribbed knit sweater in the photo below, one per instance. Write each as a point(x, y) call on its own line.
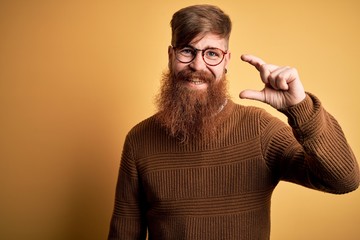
point(221, 188)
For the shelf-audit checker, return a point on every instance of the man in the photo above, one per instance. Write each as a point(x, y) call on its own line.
point(204, 167)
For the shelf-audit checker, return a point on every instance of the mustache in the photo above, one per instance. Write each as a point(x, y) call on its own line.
point(188, 75)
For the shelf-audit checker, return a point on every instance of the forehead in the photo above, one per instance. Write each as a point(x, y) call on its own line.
point(209, 40)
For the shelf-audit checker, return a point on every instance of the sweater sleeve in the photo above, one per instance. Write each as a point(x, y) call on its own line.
point(128, 220)
point(319, 156)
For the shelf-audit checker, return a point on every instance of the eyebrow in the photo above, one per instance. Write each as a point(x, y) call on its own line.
point(207, 47)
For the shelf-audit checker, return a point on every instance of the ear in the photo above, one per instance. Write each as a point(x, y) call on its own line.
point(170, 55)
point(227, 59)
point(170, 52)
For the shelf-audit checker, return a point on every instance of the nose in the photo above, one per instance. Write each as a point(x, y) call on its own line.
point(198, 63)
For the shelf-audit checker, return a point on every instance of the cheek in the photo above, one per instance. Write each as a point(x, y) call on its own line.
point(218, 73)
point(176, 67)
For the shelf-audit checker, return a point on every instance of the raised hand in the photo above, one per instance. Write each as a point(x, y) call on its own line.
point(283, 87)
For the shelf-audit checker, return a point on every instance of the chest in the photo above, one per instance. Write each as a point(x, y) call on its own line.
point(227, 171)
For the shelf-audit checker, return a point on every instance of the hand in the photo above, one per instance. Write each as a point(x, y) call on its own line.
point(283, 87)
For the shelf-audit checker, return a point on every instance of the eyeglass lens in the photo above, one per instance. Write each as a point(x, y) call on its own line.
point(211, 56)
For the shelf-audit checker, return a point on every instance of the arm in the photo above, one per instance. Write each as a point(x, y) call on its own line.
point(332, 164)
point(319, 156)
point(313, 153)
point(128, 220)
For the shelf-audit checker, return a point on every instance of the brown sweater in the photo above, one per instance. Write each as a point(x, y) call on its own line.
point(221, 188)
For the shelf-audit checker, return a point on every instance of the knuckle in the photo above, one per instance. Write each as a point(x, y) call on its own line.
point(282, 76)
point(263, 67)
point(293, 70)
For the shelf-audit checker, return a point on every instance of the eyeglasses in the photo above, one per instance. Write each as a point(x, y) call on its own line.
point(211, 56)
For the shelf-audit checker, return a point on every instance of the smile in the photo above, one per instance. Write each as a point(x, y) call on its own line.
point(196, 81)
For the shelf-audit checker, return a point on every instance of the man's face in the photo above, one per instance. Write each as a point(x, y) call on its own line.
point(198, 65)
point(192, 94)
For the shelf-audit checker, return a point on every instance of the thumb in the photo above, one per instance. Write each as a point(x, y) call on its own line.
point(253, 95)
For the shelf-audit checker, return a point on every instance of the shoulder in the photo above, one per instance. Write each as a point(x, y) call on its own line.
point(145, 126)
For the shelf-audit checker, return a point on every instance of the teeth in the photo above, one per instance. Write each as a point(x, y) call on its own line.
point(196, 81)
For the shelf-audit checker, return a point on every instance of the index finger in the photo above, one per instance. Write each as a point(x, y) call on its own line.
point(253, 60)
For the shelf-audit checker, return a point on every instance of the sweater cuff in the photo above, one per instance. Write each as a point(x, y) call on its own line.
point(304, 117)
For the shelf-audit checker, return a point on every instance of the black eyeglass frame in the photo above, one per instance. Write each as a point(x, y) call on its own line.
point(196, 50)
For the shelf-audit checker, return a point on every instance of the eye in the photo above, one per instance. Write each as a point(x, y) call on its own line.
point(213, 53)
point(189, 52)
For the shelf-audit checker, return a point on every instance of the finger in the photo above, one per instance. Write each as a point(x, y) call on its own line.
point(265, 72)
point(253, 60)
point(258, 63)
point(284, 76)
point(252, 95)
point(263, 68)
point(278, 78)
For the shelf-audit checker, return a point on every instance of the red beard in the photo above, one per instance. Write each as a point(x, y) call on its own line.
point(187, 113)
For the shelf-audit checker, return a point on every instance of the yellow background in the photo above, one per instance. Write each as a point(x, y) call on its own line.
point(75, 76)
